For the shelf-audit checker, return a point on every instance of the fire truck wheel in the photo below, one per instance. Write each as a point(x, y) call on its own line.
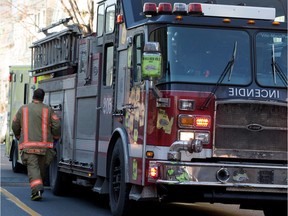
point(59, 182)
point(16, 166)
point(118, 189)
point(54, 177)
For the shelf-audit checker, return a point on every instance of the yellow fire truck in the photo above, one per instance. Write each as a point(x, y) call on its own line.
point(20, 91)
point(172, 101)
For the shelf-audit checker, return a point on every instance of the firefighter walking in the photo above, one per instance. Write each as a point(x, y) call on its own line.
point(36, 126)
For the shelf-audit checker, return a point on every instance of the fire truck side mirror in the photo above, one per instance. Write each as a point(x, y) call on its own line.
point(151, 61)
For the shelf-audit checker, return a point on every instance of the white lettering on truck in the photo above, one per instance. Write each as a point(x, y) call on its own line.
point(107, 105)
point(257, 93)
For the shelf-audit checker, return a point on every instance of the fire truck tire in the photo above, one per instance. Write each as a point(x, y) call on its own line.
point(118, 188)
point(59, 182)
point(54, 177)
point(16, 166)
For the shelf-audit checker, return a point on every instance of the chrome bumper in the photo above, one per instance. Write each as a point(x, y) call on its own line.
point(234, 176)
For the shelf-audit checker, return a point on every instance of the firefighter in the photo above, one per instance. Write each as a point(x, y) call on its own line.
point(36, 126)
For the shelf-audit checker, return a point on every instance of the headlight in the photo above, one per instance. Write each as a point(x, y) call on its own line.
point(204, 136)
point(185, 104)
point(186, 135)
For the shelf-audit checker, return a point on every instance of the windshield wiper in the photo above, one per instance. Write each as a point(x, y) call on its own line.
point(277, 70)
point(228, 70)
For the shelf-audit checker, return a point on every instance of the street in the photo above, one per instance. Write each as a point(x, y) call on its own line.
point(15, 201)
point(15, 197)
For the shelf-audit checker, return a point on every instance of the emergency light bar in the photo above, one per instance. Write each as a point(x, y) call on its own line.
point(214, 10)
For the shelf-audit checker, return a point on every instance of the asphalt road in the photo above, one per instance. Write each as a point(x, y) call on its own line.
point(15, 201)
point(15, 197)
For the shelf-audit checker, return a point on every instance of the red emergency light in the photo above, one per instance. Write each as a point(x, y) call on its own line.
point(120, 19)
point(150, 9)
point(10, 78)
point(153, 172)
point(165, 8)
point(35, 80)
point(195, 8)
point(202, 121)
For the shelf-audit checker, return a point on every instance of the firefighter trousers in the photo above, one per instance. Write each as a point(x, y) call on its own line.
point(36, 166)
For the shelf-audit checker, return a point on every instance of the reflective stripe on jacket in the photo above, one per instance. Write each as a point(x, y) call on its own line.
point(36, 124)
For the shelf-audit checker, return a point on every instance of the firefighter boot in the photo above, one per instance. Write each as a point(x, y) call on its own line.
point(36, 196)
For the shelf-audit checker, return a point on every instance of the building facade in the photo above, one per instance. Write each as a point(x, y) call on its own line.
point(20, 25)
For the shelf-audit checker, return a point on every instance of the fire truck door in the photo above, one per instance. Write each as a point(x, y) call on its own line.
point(106, 104)
point(87, 103)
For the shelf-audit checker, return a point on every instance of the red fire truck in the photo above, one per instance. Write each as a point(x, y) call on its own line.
point(173, 102)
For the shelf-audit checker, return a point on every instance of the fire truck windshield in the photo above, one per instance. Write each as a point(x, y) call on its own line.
point(271, 59)
point(200, 55)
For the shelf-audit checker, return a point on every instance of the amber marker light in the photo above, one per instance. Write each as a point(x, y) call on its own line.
point(251, 22)
point(179, 18)
point(185, 121)
point(226, 20)
point(149, 154)
point(276, 23)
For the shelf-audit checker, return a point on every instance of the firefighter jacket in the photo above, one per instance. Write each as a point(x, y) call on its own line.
point(36, 125)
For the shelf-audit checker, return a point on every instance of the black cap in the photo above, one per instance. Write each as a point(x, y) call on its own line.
point(39, 94)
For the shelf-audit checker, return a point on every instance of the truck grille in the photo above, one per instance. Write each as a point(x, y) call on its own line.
point(251, 130)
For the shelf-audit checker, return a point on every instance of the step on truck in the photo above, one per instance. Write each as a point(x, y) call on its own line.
point(172, 101)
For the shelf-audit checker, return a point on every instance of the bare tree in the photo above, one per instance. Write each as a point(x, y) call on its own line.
point(23, 16)
point(81, 16)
